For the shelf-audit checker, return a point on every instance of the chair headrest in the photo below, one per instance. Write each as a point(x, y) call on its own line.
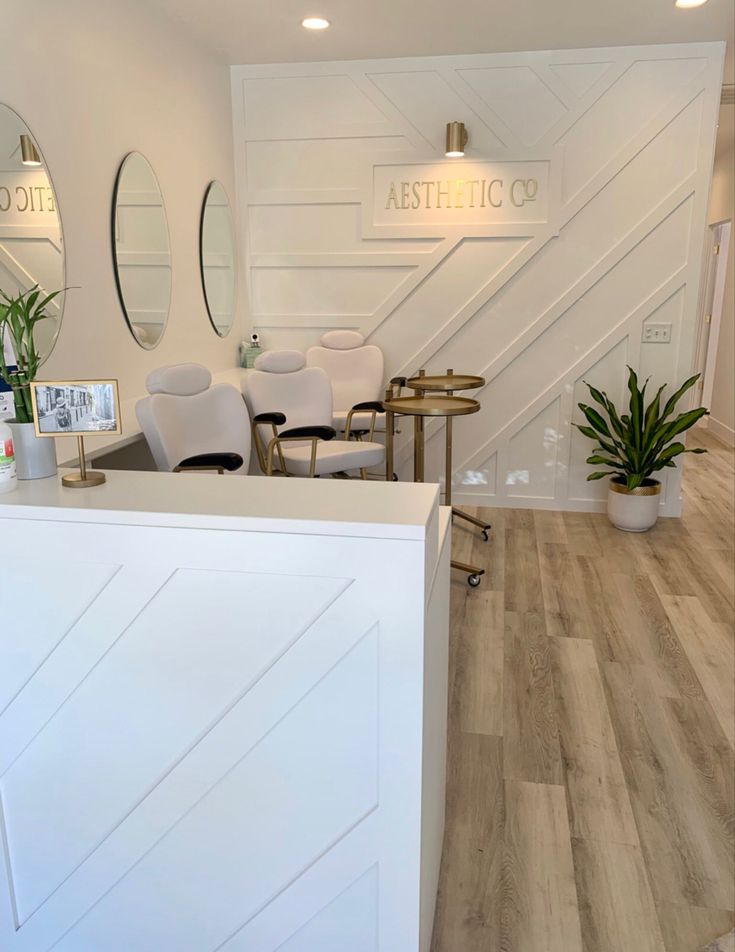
point(181, 380)
point(342, 340)
point(280, 361)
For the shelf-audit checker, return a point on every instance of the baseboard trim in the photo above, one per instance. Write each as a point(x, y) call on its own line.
point(721, 430)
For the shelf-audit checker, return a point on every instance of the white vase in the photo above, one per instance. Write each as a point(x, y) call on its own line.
point(633, 510)
point(35, 456)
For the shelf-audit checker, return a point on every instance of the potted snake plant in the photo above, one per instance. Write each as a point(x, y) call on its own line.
point(635, 445)
point(19, 315)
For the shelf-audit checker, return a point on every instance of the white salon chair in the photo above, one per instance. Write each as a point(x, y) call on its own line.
point(355, 370)
point(291, 411)
point(191, 425)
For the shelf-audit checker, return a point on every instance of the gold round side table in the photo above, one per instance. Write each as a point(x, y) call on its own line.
point(420, 407)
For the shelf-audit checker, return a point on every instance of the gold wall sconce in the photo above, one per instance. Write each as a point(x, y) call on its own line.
point(28, 151)
point(456, 140)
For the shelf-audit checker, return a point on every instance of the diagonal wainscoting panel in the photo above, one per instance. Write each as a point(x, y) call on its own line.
point(519, 96)
point(95, 760)
point(528, 472)
point(490, 320)
point(645, 88)
point(652, 362)
point(504, 324)
point(479, 480)
point(467, 269)
point(243, 848)
point(313, 164)
point(618, 282)
point(32, 628)
point(425, 98)
point(579, 78)
point(567, 386)
point(324, 290)
point(292, 108)
point(322, 229)
point(348, 922)
point(608, 374)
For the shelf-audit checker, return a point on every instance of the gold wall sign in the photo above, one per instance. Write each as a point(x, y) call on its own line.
point(475, 197)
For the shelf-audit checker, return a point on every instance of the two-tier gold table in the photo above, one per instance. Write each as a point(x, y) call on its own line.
point(420, 407)
point(449, 383)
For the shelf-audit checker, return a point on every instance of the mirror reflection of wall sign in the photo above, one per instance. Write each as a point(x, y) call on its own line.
point(31, 240)
point(474, 197)
point(25, 198)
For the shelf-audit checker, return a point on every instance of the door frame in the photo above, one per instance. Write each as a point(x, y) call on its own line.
point(718, 239)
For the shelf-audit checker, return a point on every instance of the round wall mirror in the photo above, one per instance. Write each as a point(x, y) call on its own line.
point(31, 240)
point(142, 251)
point(217, 258)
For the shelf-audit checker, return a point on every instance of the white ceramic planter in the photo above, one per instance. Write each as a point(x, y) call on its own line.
point(633, 510)
point(35, 456)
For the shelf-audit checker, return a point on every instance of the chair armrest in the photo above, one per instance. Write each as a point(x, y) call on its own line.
point(219, 461)
point(276, 418)
point(319, 432)
point(374, 405)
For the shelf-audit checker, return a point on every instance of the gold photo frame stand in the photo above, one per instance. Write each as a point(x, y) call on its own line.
point(85, 477)
point(84, 409)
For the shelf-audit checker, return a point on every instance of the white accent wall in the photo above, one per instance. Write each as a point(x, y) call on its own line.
point(536, 306)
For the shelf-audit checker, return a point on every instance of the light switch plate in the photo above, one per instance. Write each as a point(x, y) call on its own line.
point(656, 333)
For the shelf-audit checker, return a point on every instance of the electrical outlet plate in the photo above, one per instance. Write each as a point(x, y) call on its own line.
point(656, 333)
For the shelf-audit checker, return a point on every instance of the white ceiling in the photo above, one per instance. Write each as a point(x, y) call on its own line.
point(257, 31)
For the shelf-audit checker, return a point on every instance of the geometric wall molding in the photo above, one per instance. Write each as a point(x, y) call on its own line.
point(173, 774)
point(49, 836)
point(630, 133)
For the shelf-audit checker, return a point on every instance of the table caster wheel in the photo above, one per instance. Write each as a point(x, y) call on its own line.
point(474, 580)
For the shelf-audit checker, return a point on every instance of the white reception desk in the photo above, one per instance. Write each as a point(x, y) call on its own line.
point(222, 714)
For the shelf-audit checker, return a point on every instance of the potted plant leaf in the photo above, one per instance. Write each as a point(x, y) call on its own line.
point(19, 316)
point(635, 445)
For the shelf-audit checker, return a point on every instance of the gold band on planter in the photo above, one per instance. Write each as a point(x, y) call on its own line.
point(638, 491)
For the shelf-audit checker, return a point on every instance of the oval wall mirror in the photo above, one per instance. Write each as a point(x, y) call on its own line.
point(142, 251)
point(217, 258)
point(31, 239)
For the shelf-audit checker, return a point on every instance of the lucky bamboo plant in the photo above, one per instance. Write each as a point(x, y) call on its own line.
point(637, 444)
point(19, 316)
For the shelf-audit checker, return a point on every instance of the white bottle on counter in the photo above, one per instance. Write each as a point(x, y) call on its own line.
point(8, 477)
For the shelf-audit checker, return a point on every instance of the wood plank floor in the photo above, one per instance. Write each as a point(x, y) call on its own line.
point(592, 718)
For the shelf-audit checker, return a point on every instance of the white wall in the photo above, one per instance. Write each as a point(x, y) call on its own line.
point(535, 307)
point(94, 80)
point(722, 208)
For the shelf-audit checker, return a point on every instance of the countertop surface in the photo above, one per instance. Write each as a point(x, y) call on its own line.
point(374, 509)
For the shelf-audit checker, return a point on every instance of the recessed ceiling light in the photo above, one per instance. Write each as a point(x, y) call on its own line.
point(687, 4)
point(315, 23)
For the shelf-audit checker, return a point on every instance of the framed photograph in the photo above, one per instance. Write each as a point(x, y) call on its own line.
point(75, 407)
